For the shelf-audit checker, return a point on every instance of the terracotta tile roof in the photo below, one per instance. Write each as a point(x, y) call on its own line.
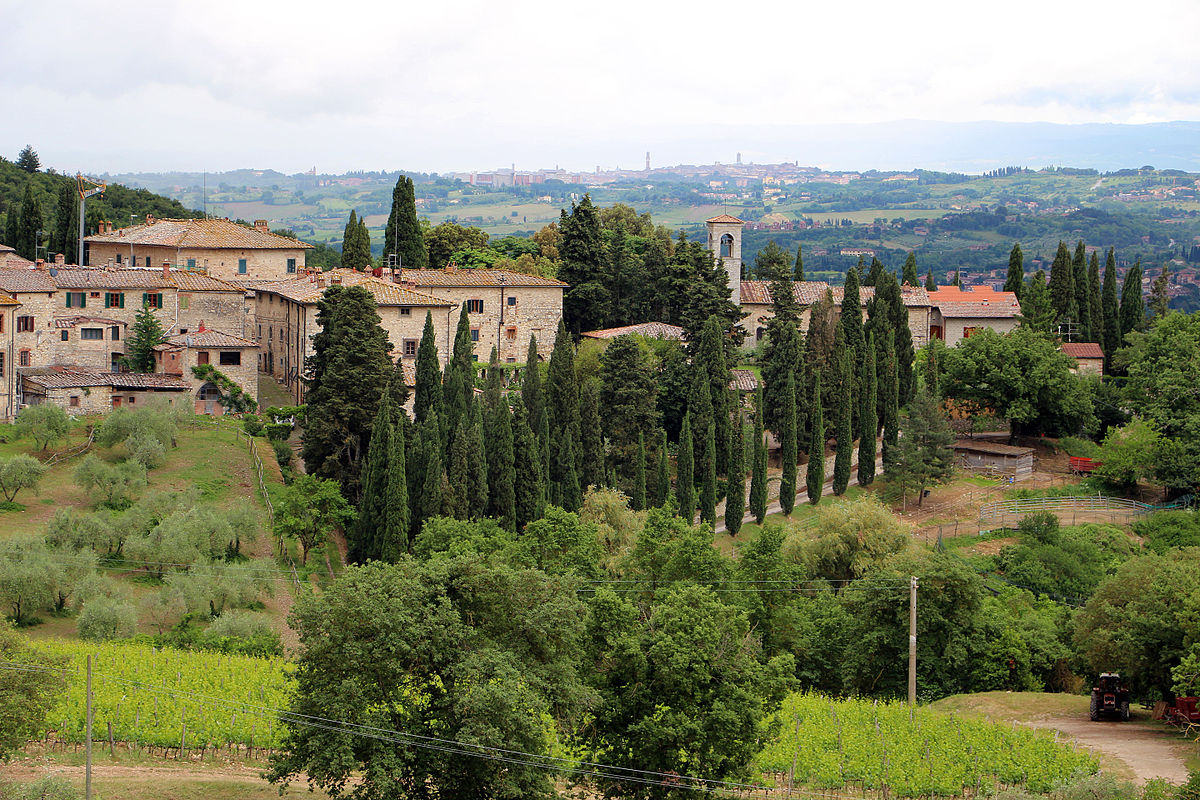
point(5, 300)
point(191, 281)
point(652, 330)
point(26, 280)
point(433, 278)
point(71, 322)
point(1082, 349)
point(101, 278)
point(978, 302)
point(309, 290)
point(207, 338)
point(744, 380)
point(64, 378)
point(68, 377)
point(5, 249)
point(725, 218)
point(199, 233)
point(809, 292)
point(138, 380)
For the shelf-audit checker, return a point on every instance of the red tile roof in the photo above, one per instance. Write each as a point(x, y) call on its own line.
point(309, 290)
point(744, 380)
point(144, 278)
point(25, 280)
point(726, 218)
point(652, 330)
point(73, 377)
point(1082, 349)
point(435, 278)
point(206, 338)
point(199, 233)
point(71, 322)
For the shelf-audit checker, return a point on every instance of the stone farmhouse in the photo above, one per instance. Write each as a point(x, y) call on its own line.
point(220, 248)
point(233, 356)
point(86, 392)
point(957, 313)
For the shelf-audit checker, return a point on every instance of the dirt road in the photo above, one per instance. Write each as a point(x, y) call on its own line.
point(1151, 750)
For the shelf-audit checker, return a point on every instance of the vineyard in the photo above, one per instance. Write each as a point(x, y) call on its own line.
point(168, 698)
point(830, 744)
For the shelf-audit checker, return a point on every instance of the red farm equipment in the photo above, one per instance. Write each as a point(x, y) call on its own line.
point(1110, 698)
point(1082, 465)
point(1184, 714)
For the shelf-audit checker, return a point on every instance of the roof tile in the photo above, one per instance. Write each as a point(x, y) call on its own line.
point(652, 330)
point(199, 233)
point(434, 278)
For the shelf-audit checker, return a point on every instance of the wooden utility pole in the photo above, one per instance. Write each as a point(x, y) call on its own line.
point(87, 779)
point(912, 641)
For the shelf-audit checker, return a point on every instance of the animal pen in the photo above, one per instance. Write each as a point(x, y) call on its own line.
point(995, 459)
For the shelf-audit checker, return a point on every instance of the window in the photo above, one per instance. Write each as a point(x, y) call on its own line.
point(202, 357)
point(474, 334)
point(185, 301)
point(230, 358)
point(114, 362)
point(74, 401)
point(115, 333)
point(1, 364)
point(92, 334)
point(24, 358)
point(152, 299)
point(76, 299)
point(24, 324)
point(758, 334)
point(511, 333)
point(405, 311)
point(410, 347)
point(93, 294)
point(191, 263)
point(65, 335)
point(118, 258)
point(183, 330)
point(1, 323)
point(512, 300)
point(260, 331)
point(291, 266)
point(131, 399)
point(114, 299)
point(241, 266)
point(474, 306)
point(510, 360)
point(969, 332)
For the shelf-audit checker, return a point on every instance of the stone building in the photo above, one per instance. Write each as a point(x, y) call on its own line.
point(96, 343)
point(1089, 357)
point(757, 307)
point(725, 243)
point(232, 356)
point(221, 248)
point(8, 371)
point(83, 392)
point(285, 320)
point(957, 313)
point(505, 308)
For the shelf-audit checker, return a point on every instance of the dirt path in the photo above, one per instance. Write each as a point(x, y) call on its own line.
point(1151, 750)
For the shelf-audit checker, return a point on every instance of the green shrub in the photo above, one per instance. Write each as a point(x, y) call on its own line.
point(104, 619)
point(241, 632)
point(252, 424)
point(283, 455)
point(1167, 529)
point(47, 787)
point(1075, 446)
point(146, 450)
point(278, 431)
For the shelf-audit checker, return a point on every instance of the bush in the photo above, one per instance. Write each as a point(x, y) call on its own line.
point(242, 632)
point(252, 424)
point(278, 431)
point(1168, 529)
point(1084, 448)
point(104, 619)
point(160, 422)
point(47, 787)
point(283, 455)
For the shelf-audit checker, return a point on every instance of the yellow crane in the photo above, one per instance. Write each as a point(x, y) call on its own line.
point(82, 182)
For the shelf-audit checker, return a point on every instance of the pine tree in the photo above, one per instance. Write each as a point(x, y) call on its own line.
point(891, 406)
point(1079, 280)
point(1015, 280)
point(844, 429)
point(28, 239)
point(798, 269)
point(590, 438)
point(787, 445)
point(707, 463)
point(758, 477)
point(1037, 309)
point(477, 473)
point(924, 456)
point(814, 482)
point(638, 498)
point(394, 537)
point(66, 224)
point(147, 334)
point(372, 505)
point(1095, 303)
point(910, 270)
point(662, 483)
point(501, 472)
point(529, 493)
point(685, 477)
point(403, 234)
point(1160, 294)
point(28, 159)
point(1133, 307)
point(735, 492)
point(930, 283)
point(428, 391)
point(1062, 285)
point(356, 252)
point(1111, 311)
point(869, 417)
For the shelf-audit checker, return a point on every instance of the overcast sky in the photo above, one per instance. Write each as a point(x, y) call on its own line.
point(150, 85)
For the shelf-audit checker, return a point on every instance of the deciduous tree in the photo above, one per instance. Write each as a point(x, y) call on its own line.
point(308, 509)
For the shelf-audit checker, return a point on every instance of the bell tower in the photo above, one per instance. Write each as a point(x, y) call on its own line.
point(725, 243)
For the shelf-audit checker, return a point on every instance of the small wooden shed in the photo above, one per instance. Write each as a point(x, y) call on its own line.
point(1005, 459)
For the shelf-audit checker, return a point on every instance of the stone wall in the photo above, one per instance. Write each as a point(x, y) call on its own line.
point(261, 264)
point(954, 329)
point(536, 311)
point(752, 313)
point(69, 346)
point(83, 400)
point(40, 342)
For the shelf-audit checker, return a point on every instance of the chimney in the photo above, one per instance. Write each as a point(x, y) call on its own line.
point(335, 280)
point(40, 263)
point(260, 225)
point(150, 219)
point(60, 259)
point(166, 269)
point(201, 329)
point(451, 267)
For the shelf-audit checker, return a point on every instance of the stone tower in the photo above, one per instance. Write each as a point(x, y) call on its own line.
point(725, 243)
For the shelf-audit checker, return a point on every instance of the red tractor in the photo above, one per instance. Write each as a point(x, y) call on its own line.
point(1110, 698)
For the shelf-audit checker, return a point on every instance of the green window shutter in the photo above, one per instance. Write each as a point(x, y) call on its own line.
point(83, 299)
point(145, 298)
point(107, 300)
point(68, 299)
point(121, 300)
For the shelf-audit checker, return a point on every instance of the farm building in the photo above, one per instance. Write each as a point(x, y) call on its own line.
point(1003, 459)
point(1089, 358)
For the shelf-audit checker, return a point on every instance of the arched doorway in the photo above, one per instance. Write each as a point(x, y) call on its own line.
point(207, 399)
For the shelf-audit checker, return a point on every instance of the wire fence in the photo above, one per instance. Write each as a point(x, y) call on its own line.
point(1006, 513)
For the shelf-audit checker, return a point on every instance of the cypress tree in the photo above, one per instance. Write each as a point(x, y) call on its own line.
point(529, 493)
point(458, 472)
point(372, 505)
point(394, 540)
point(66, 224)
point(562, 406)
point(501, 473)
point(590, 439)
point(431, 501)
point(957, 278)
point(850, 320)
point(1108, 305)
point(787, 447)
point(544, 446)
point(31, 222)
point(701, 410)
point(1037, 310)
point(815, 478)
point(845, 429)
point(735, 492)
point(356, 251)
point(874, 273)
point(1095, 303)
point(428, 391)
point(685, 478)
point(662, 479)
point(1133, 307)
point(1079, 279)
point(12, 225)
point(709, 356)
point(930, 283)
point(708, 476)
point(1160, 294)
point(458, 383)
point(1062, 285)
point(638, 500)
point(477, 472)
point(1014, 281)
point(869, 419)
point(888, 295)
point(798, 269)
point(758, 477)
point(910, 270)
point(531, 390)
point(403, 234)
point(415, 449)
point(891, 406)
point(569, 491)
